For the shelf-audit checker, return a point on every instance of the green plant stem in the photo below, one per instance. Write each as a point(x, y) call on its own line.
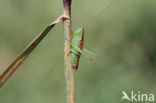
point(67, 56)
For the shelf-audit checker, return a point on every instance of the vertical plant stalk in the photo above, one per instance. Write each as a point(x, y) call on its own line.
point(69, 78)
point(16, 63)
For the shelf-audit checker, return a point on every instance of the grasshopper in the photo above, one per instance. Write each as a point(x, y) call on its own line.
point(77, 48)
point(78, 41)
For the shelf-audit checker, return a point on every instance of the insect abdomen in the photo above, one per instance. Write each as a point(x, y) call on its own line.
point(75, 60)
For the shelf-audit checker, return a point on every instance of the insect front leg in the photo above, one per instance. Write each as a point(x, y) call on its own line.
point(74, 52)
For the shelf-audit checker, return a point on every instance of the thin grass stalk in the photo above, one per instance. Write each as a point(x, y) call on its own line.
point(69, 78)
point(16, 63)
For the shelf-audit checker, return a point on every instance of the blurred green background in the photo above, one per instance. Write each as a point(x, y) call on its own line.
point(124, 37)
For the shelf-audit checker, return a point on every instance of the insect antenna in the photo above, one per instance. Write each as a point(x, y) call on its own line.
point(100, 13)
